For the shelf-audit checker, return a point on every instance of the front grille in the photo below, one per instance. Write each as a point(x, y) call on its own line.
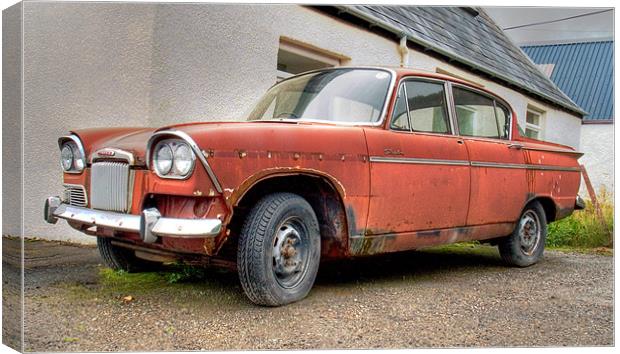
point(75, 195)
point(109, 186)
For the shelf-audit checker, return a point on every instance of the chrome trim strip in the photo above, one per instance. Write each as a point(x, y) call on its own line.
point(168, 227)
point(407, 160)
point(117, 154)
point(552, 150)
point(195, 148)
point(553, 168)
point(77, 141)
point(524, 166)
point(76, 186)
point(418, 161)
point(452, 109)
point(498, 165)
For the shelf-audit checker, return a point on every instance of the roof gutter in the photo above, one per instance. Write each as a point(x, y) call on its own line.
point(376, 22)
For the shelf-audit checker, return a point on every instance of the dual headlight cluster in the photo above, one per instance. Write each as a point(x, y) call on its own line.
point(173, 158)
point(72, 157)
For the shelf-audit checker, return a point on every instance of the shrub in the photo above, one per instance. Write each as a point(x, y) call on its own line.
point(186, 274)
point(583, 228)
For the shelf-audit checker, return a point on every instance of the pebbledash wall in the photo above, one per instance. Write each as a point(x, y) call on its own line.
point(597, 142)
point(122, 64)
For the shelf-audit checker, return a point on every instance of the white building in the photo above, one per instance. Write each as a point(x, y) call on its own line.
point(146, 64)
point(584, 70)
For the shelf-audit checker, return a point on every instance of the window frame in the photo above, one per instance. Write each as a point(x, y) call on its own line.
point(448, 102)
point(495, 100)
point(307, 51)
point(537, 128)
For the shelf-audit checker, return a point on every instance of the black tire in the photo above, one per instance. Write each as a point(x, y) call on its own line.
point(525, 246)
point(119, 258)
point(279, 250)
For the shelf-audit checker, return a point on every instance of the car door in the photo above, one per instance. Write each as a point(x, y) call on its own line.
point(498, 173)
point(419, 169)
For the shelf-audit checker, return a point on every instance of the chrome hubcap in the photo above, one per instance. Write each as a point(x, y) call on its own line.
point(290, 253)
point(529, 232)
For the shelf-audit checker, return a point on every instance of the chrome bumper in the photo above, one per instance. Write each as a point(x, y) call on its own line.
point(580, 204)
point(150, 224)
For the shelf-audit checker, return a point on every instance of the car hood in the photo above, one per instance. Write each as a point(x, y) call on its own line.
point(229, 135)
point(129, 139)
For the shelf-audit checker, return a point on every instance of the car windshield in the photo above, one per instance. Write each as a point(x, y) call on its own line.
point(338, 95)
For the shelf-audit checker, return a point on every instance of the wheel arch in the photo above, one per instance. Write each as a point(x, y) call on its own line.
point(323, 192)
point(548, 206)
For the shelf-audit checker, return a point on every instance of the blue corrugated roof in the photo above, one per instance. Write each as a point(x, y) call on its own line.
point(584, 71)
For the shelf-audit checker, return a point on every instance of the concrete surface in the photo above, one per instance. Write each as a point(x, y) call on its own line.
point(456, 296)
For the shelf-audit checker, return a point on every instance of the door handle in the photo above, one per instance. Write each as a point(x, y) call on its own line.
point(460, 142)
point(515, 146)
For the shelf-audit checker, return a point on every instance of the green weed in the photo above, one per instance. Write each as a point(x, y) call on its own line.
point(583, 229)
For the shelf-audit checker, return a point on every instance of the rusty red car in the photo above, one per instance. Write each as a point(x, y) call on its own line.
point(333, 163)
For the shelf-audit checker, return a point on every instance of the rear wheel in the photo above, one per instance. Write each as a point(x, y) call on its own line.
point(526, 244)
point(119, 258)
point(279, 250)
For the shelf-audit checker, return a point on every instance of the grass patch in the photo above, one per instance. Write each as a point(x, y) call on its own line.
point(124, 282)
point(183, 285)
point(187, 274)
point(583, 228)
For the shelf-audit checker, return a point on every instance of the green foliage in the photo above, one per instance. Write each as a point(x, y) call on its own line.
point(180, 273)
point(186, 273)
point(583, 228)
point(123, 280)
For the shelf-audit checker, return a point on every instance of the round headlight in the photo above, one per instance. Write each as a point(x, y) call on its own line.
point(163, 159)
point(183, 160)
point(66, 157)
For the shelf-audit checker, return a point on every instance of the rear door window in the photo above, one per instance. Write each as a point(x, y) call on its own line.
point(476, 114)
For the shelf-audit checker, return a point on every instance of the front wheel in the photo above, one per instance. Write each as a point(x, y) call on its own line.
point(279, 250)
point(526, 244)
point(119, 258)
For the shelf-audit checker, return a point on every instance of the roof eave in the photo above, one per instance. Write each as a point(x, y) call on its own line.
point(377, 22)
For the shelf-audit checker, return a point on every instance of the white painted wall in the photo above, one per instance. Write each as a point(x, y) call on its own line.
point(11, 121)
point(128, 64)
point(597, 144)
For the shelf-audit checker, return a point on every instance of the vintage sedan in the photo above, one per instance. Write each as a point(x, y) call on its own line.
point(334, 163)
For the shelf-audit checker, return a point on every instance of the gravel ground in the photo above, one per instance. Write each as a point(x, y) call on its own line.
point(457, 296)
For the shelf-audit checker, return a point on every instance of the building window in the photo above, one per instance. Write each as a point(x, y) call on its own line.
point(296, 57)
point(534, 123)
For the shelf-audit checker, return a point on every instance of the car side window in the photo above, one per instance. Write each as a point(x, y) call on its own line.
point(475, 114)
point(427, 106)
point(503, 120)
point(400, 119)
